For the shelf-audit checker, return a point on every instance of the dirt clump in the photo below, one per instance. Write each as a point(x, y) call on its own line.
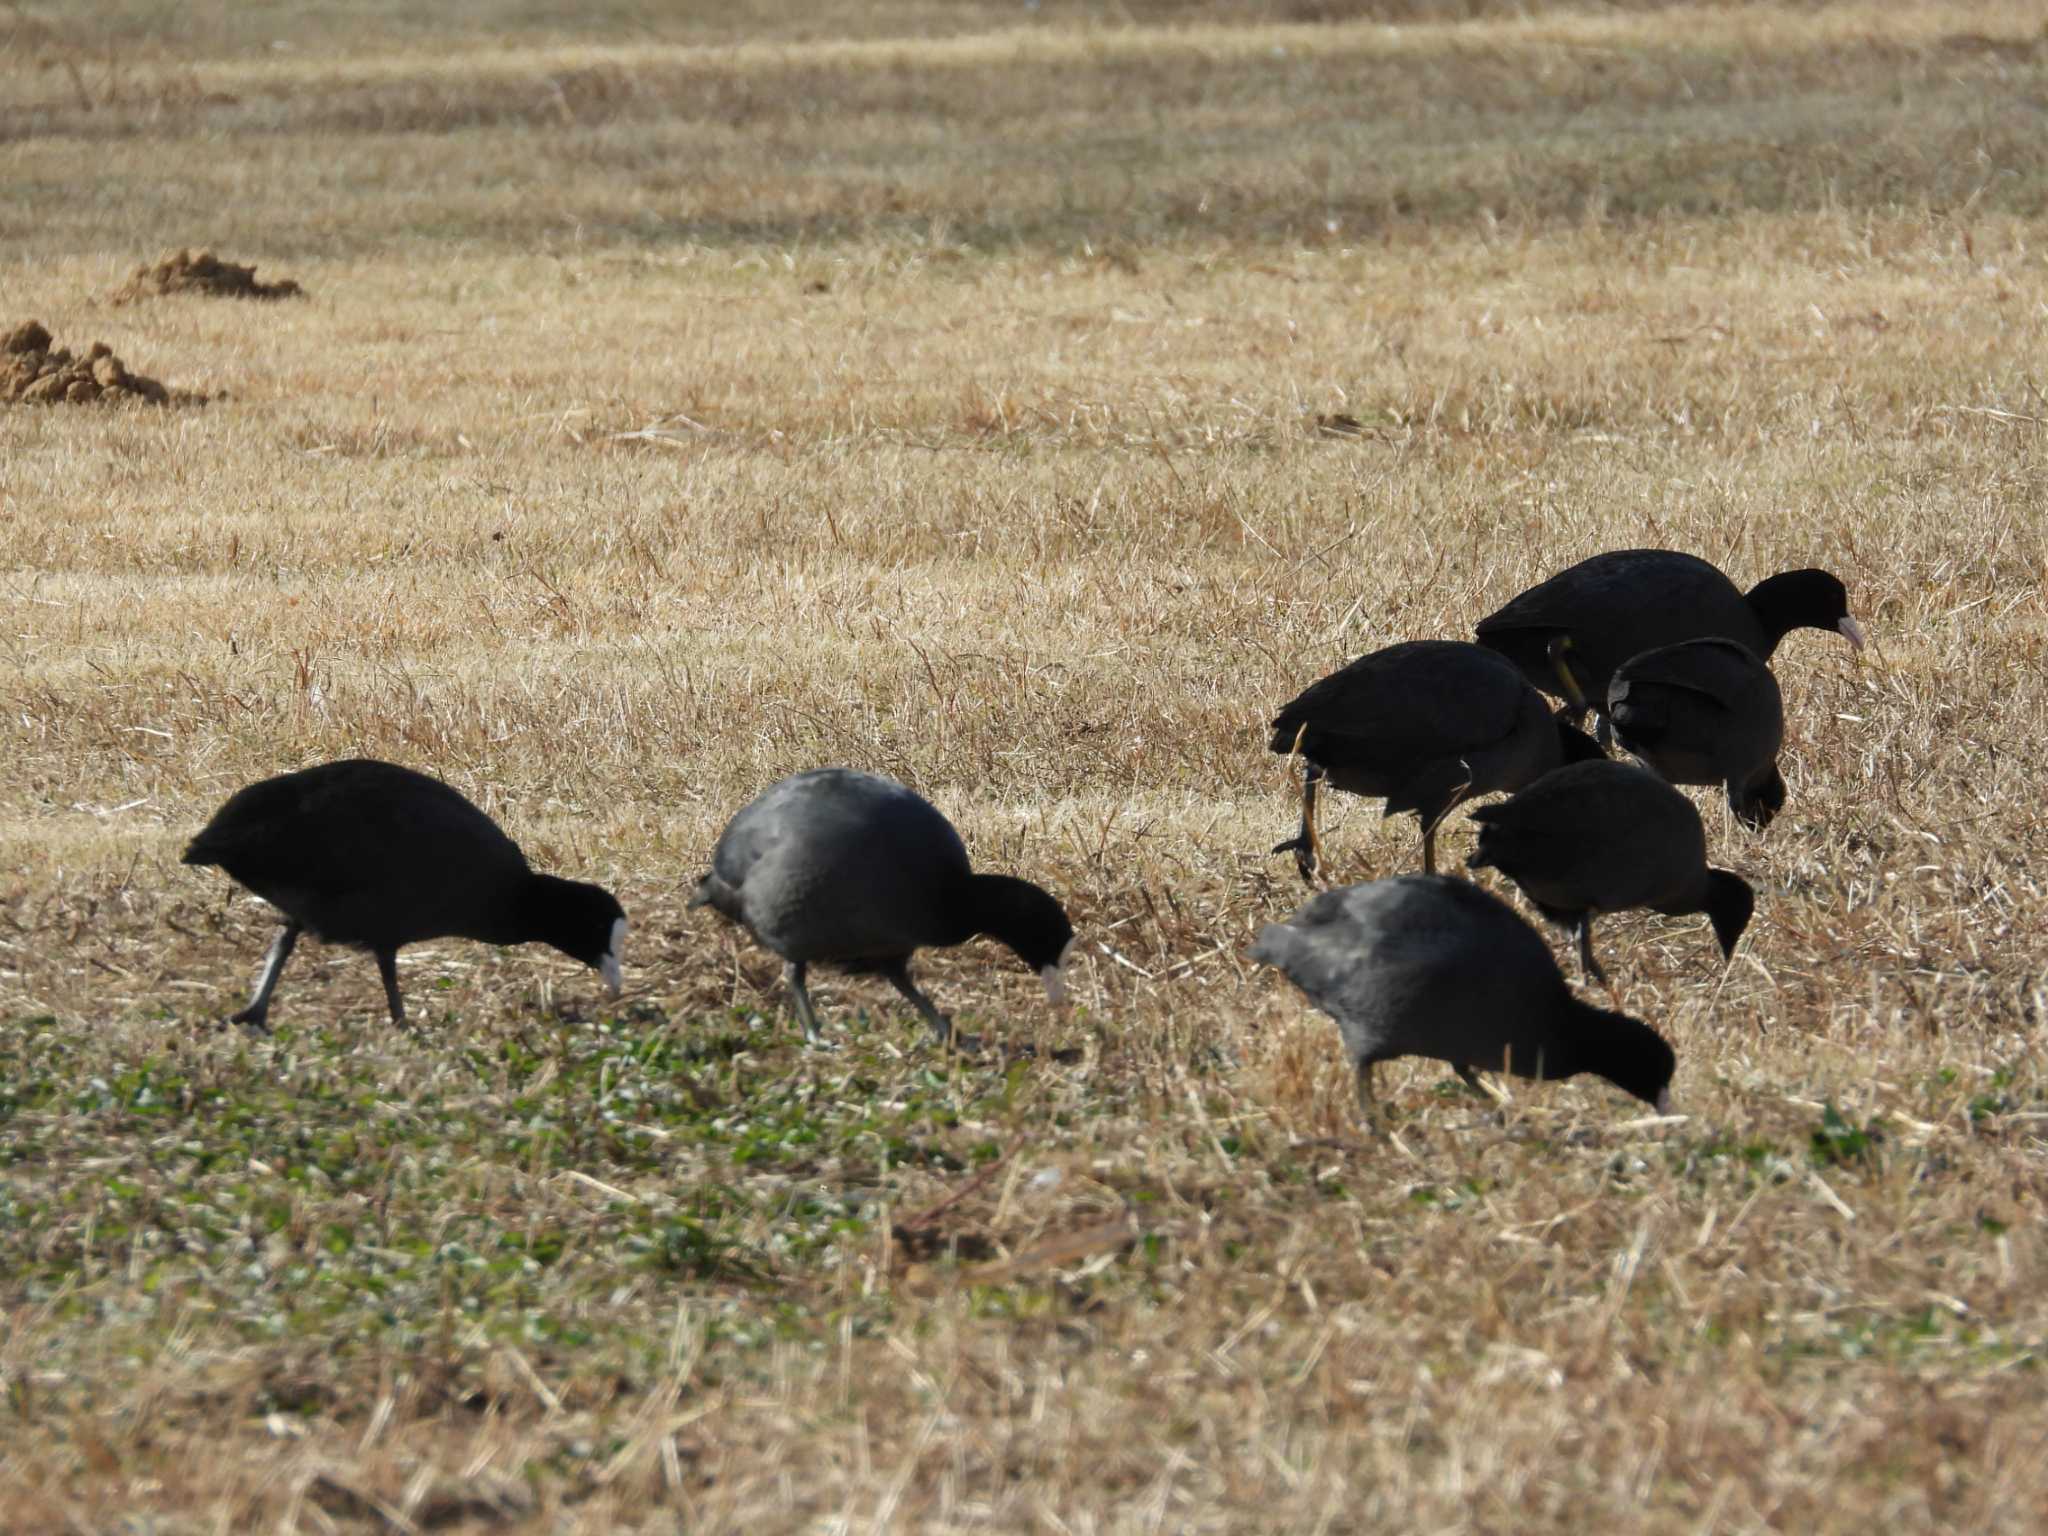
point(35, 371)
point(201, 272)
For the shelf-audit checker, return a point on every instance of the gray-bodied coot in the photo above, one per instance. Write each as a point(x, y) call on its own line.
point(1607, 837)
point(377, 856)
point(1705, 712)
point(853, 870)
point(1427, 965)
point(1568, 634)
point(1426, 723)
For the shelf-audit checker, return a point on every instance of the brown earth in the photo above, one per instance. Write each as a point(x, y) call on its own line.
point(201, 272)
point(35, 371)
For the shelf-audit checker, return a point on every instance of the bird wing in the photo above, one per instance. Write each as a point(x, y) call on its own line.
point(336, 833)
point(1714, 669)
point(1402, 704)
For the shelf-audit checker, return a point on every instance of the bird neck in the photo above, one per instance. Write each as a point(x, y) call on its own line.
point(1730, 901)
point(540, 911)
point(1786, 602)
point(1016, 913)
point(1625, 1051)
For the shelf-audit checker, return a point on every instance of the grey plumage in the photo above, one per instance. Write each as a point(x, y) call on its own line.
point(853, 870)
point(1705, 712)
point(1426, 965)
point(1609, 837)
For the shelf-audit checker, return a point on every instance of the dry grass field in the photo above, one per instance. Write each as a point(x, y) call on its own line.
point(1024, 400)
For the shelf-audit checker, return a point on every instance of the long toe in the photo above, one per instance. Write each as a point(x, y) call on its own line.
point(1304, 853)
point(257, 1019)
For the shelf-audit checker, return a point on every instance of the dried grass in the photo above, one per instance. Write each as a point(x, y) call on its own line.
point(1027, 492)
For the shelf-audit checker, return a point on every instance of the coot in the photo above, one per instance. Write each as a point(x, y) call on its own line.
point(1426, 723)
point(853, 870)
point(1568, 634)
point(1427, 965)
point(1607, 837)
point(377, 856)
point(1705, 712)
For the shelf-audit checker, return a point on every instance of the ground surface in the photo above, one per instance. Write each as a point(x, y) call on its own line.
point(1024, 402)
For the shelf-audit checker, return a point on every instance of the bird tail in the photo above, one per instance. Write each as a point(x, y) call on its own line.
point(202, 850)
point(714, 893)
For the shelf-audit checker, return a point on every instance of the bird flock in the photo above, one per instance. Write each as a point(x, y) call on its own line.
point(853, 871)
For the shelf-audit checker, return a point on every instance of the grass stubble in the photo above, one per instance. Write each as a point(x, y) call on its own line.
point(1024, 411)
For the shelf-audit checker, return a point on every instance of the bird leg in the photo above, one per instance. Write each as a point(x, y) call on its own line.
point(1368, 1104)
point(256, 1015)
point(1585, 927)
point(1307, 845)
point(1574, 695)
point(387, 970)
point(1458, 797)
point(793, 973)
point(1311, 778)
point(942, 1027)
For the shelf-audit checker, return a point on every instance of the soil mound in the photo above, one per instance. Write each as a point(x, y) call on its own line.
point(35, 371)
point(201, 272)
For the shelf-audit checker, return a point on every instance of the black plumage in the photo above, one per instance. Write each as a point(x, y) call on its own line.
point(1427, 965)
point(853, 870)
point(376, 856)
point(1569, 633)
point(1705, 712)
point(1608, 837)
point(1427, 724)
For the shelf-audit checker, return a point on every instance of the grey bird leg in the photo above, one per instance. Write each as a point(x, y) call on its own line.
point(793, 973)
point(257, 1013)
point(942, 1027)
point(1586, 952)
point(387, 970)
point(1368, 1105)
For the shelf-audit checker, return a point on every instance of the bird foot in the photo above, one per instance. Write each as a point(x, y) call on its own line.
point(1304, 856)
point(255, 1020)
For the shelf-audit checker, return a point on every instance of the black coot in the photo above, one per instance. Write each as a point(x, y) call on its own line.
point(853, 870)
point(376, 856)
point(1568, 634)
point(1705, 712)
point(1426, 723)
point(1426, 965)
point(1608, 837)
